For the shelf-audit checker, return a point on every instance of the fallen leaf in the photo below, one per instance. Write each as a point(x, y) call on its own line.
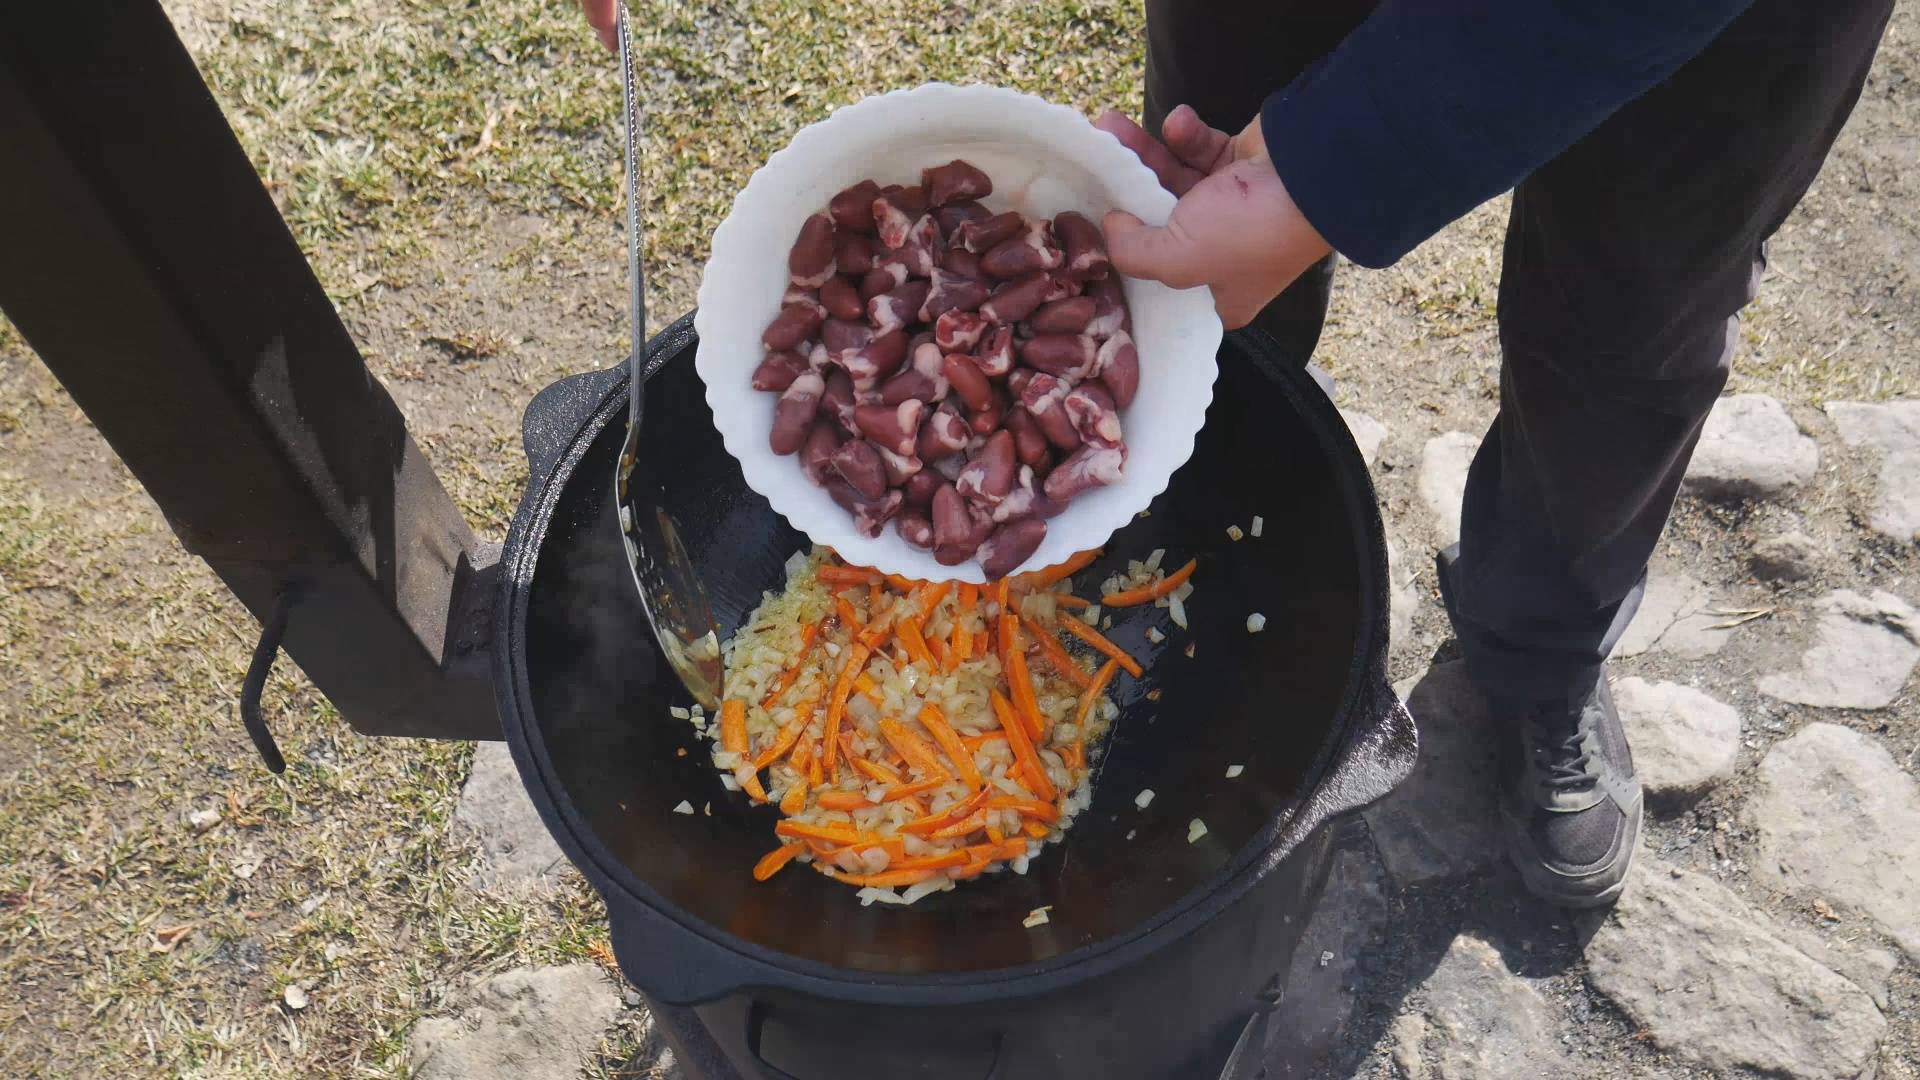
point(166, 937)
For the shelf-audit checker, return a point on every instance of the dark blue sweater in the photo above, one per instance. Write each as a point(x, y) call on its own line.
point(1432, 107)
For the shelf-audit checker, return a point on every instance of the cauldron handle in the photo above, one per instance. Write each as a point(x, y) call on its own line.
point(756, 1017)
point(1371, 763)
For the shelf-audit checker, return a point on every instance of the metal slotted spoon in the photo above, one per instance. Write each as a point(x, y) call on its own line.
point(670, 589)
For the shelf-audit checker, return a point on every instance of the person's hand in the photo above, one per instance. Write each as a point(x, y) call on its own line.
point(600, 15)
point(1234, 229)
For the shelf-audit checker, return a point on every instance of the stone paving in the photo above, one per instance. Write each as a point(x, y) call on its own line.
point(1774, 933)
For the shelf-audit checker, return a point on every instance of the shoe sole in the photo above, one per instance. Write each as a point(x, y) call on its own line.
point(1564, 891)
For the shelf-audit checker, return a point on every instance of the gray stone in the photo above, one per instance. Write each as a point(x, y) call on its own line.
point(1750, 448)
point(1409, 1035)
point(1862, 965)
point(1442, 820)
point(1896, 507)
point(1864, 648)
point(1367, 432)
point(1480, 1021)
point(516, 851)
point(1838, 819)
point(1403, 599)
point(1893, 431)
point(1684, 741)
point(528, 1024)
point(1443, 480)
point(1676, 616)
point(1352, 913)
point(1710, 979)
point(1885, 427)
point(1791, 556)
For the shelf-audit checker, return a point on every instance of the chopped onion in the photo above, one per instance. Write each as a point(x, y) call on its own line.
point(1234, 533)
point(1178, 610)
point(1091, 616)
point(707, 809)
point(1141, 800)
point(1195, 830)
point(1235, 770)
point(1036, 917)
point(934, 884)
point(1259, 523)
point(886, 896)
point(1154, 635)
point(1153, 560)
point(1130, 833)
point(1256, 622)
point(685, 807)
point(679, 712)
point(727, 781)
point(1189, 650)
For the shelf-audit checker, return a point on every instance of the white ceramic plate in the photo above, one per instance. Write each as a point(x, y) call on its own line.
point(1043, 159)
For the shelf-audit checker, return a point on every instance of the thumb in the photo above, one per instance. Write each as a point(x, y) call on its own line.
point(1148, 251)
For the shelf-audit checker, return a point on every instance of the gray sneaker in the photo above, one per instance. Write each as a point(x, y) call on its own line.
point(1570, 800)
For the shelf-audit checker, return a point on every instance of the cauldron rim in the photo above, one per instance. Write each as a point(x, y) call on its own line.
point(1371, 722)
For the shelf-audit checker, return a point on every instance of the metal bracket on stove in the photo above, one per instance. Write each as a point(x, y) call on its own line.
point(264, 651)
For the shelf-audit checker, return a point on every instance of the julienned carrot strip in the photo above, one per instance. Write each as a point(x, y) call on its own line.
point(886, 879)
point(904, 584)
point(1099, 641)
point(975, 742)
point(844, 835)
point(876, 770)
point(733, 726)
point(972, 823)
point(842, 800)
point(933, 597)
point(1001, 590)
point(795, 800)
point(1087, 701)
point(936, 724)
point(960, 649)
point(1032, 808)
point(879, 627)
point(969, 597)
point(856, 659)
point(792, 673)
point(932, 862)
point(847, 575)
point(913, 748)
point(1147, 594)
point(1013, 656)
point(869, 689)
point(789, 738)
point(908, 631)
point(950, 815)
point(1034, 829)
point(1074, 756)
point(1068, 600)
point(1042, 578)
point(1022, 746)
point(874, 593)
point(1056, 655)
point(849, 615)
point(908, 791)
point(938, 648)
point(1007, 632)
point(772, 861)
point(995, 834)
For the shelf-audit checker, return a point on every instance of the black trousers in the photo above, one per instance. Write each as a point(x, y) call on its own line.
point(1627, 258)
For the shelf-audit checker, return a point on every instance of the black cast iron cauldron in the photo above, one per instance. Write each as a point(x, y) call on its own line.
point(1158, 950)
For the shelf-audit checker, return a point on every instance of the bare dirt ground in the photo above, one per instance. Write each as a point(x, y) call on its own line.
point(450, 171)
